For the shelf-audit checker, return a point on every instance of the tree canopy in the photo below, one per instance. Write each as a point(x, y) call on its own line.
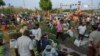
point(45, 4)
point(2, 3)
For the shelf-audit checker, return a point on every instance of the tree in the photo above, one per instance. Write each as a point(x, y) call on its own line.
point(45, 4)
point(2, 3)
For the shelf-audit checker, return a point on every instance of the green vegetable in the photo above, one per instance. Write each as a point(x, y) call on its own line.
point(1, 34)
point(1, 50)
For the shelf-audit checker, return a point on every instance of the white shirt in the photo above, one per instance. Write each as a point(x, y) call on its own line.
point(12, 43)
point(24, 45)
point(37, 33)
point(38, 18)
point(18, 19)
point(70, 33)
point(88, 19)
point(34, 43)
point(82, 29)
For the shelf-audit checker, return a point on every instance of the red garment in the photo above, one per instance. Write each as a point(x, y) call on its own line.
point(4, 27)
point(91, 51)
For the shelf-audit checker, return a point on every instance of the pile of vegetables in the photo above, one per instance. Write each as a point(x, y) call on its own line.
point(1, 50)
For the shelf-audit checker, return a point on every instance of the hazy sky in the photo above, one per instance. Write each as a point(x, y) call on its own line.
point(31, 4)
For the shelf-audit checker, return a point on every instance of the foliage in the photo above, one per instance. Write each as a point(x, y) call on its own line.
point(66, 10)
point(2, 3)
point(55, 10)
point(69, 10)
point(1, 34)
point(14, 10)
point(1, 50)
point(89, 11)
point(45, 4)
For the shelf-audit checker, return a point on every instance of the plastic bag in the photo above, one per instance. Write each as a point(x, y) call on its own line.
point(77, 42)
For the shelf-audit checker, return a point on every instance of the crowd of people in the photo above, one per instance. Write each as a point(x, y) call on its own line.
point(86, 26)
point(29, 40)
point(26, 37)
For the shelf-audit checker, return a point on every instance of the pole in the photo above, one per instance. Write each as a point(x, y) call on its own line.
point(99, 5)
point(24, 6)
point(70, 7)
point(92, 6)
point(24, 3)
point(79, 5)
point(9, 8)
point(60, 7)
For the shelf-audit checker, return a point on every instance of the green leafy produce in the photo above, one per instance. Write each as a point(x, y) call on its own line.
point(1, 34)
point(1, 50)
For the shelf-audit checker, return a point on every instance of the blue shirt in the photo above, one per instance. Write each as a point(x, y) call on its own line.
point(53, 52)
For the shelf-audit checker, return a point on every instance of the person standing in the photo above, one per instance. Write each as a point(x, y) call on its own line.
point(18, 19)
point(36, 31)
point(38, 17)
point(44, 41)
point(59, 29)
point(81, 31)
point(94, 43)
point(24, 45)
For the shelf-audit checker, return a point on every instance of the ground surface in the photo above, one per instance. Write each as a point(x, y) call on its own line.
point(68, 43)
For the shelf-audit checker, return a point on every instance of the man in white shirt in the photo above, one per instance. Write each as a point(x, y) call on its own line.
point(81, 31)
point(18, 19)
point(24, 45)
point(36, 31)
